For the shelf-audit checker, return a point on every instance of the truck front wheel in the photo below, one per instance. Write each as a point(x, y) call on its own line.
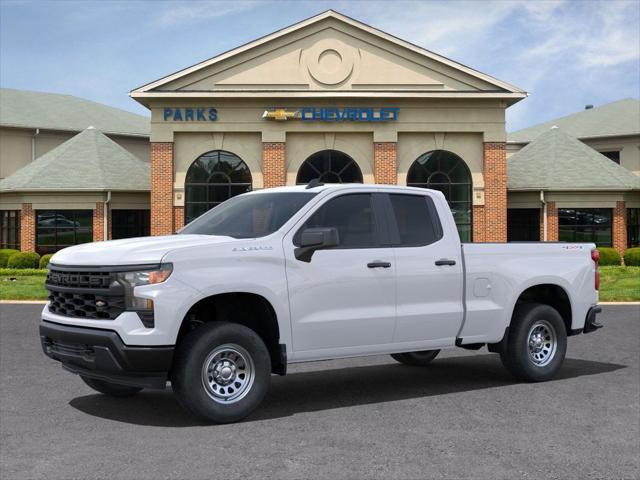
point(221, 372)
point(419, 359)
point(537, 343)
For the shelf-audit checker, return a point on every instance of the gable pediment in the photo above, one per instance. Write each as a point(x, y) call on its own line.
point(330, 53)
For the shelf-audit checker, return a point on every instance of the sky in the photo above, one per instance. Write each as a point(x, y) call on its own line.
point(566, 54)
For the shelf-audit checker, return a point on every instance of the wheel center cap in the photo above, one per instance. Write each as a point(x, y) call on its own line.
point(226, 372)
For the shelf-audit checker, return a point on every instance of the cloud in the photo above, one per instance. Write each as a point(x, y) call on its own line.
point(184, 13)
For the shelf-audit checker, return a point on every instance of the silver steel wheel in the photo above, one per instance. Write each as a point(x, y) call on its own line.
point(228, 373)
point(543, 343)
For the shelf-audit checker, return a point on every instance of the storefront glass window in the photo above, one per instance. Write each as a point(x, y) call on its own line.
point(633, 227)
point(130, 223)
point(585, 225)
point(57, 229)
point(445, 171)
point(329, 166)
point(213, 178)
point(523, 225)
point(10, 229)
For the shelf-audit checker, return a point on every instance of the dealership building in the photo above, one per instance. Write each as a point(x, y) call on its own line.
point(334, 99)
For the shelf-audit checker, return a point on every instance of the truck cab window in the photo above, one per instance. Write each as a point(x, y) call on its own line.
point(352, 215)
point(416, 222)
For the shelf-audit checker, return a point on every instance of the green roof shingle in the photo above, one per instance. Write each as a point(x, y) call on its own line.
point(25, 109)
point(90, 161)
point(557, 161)
point(610, 120)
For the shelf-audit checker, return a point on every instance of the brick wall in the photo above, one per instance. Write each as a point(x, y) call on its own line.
point(479, 228)
point(495, 191)
point(27, 228)
point(178, 218)
point(161, 188)
point(273, 164)
point(98, 222)
point(552, 223)
point(385, 162)
point(620, 227)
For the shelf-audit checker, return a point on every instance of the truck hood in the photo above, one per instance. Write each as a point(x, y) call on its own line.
point(131, 251)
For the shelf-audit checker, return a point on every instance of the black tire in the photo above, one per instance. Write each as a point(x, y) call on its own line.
point(197, 395)
point(419, 359)
point(112, 389)
point(541, 361)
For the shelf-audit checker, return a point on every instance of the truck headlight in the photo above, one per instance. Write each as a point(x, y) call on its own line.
point(130, 280)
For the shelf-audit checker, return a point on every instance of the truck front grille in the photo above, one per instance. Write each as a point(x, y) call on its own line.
point(85, 294)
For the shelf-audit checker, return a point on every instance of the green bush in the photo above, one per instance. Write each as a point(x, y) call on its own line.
point(5, 253)
point(44, 260)
point(24, 260)
point(609, 256)
point(632, 257)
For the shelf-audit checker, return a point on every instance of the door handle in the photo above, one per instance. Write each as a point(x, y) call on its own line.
point(445, 261)
point(379, 264)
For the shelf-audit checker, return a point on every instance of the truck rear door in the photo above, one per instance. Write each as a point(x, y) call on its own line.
point(429, 270)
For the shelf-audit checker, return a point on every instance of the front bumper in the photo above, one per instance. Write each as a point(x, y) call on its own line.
point(101, 354)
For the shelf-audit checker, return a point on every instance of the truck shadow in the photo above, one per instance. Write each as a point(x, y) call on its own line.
point(337, 388)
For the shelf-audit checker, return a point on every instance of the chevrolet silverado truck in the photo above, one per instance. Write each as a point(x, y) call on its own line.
point(305, 273)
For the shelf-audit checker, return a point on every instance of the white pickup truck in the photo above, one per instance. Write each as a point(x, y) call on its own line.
point(303, 273)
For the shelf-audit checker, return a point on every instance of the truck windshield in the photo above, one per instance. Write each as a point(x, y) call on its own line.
point(249, 216)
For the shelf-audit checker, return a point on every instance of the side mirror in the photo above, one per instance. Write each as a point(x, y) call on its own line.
point(313, 239)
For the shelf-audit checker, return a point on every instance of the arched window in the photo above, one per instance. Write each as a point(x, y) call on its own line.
point(330, 166)
point(213, 178)
point(447, 172)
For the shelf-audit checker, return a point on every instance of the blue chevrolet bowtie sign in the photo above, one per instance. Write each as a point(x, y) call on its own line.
point(349, 114)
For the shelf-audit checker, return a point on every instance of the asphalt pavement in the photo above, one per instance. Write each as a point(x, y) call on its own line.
point(461, 417)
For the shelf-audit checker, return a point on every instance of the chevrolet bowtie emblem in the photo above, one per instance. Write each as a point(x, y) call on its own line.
point(280, 114)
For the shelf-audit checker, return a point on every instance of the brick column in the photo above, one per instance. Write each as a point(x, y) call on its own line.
point(552, 223)
point(619, 232)
point(479, 227)
point(385, 162)
point(495, 191)
point(273, 166)
point(178, 218)
point(27, 228)
point(161, 188)
point(98, 222)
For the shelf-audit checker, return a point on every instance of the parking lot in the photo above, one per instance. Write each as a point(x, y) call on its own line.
point(462, 417)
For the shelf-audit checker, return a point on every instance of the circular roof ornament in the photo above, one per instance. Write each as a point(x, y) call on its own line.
point(330, 61)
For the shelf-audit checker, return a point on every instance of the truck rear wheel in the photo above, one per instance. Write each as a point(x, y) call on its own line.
point(416, 358)
point(221, 372)
point(537, 343)
point(112, 389)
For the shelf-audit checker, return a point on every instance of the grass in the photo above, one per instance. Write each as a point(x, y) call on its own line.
point(617, 284)
point(27, 284)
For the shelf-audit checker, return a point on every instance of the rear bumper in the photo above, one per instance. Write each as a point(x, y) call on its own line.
point(101, 354)
point(591, 323)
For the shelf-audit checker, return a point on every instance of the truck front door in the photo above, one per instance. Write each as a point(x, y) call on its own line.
point(345, 296)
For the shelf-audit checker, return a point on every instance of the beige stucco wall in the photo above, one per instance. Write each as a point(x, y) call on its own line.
point(73, 200)
point(573, 199)
point(458, 125)
point(16, 145)
point(629, 148)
